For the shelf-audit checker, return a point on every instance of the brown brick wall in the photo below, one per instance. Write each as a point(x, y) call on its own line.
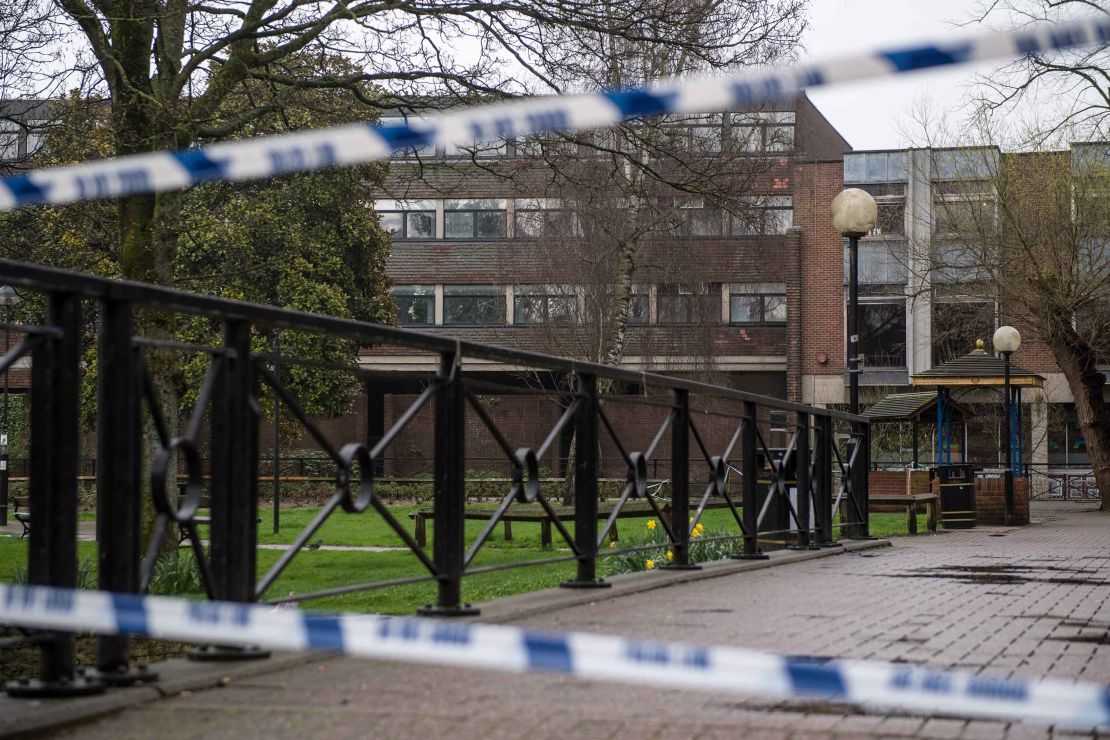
point(990, 501)
point(822, 315)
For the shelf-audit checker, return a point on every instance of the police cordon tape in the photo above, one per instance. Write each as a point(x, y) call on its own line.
point(588, 656)
point(359, 143)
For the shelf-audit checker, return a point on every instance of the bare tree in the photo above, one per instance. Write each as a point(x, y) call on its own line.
point(1071, 88)
point(1031, 231)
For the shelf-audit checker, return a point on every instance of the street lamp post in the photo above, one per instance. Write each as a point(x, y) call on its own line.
point(1006, 341)
point(8, 298)
point(853, 215)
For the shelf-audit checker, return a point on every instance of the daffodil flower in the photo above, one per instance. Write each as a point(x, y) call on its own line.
point(670, 554)
point(651, 524)
point(612, 545)
point(650, 564)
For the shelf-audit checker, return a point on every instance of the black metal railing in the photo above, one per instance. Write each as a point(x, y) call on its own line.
point(712, 439)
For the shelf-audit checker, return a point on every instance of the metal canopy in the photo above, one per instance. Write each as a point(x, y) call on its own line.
point(977, 369)
point(903, 407)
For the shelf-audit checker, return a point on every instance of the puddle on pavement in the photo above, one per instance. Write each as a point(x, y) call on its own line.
point(1006, 574)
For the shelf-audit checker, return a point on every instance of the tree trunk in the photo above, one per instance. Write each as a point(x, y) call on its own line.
point(1077, 361)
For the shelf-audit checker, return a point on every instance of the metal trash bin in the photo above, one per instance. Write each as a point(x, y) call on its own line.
point(957, 496)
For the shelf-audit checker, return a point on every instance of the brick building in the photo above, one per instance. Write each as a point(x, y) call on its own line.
point(720, 297)
point(917, 310)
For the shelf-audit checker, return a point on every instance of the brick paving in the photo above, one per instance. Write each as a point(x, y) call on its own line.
point(1032, 601)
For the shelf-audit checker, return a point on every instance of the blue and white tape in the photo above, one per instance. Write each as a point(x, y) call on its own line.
point(589, 656)
point(358, 143)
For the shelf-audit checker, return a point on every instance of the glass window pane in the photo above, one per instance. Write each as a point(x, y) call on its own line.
point(882, 334)
point(421, 226)
point(779, 220)
point(458, 225)
point(956, 326)
point(391, 222)
point(780, 138)
point(528, 309)
point(638, 311)
point(745, 309)
point(490, 224)
point(458, 310)
point(774, 308)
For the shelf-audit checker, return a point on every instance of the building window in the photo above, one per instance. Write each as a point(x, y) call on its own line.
point(757, 303)
point(473, 304)
point(546, 147)
point(639, 310)
point(689, 304)
point(882, 332)
point(963, 208)
point(1066, 445)
point(696, 134)
point(482, 218)
point(544, 304)
point(956, 325)
point(543, 217)
point(762, 132)
point(694, 217)
point(477, 151)
point(408, 219)
point(891, 201)
point(763, 214)
point(416, 304)
point(10, 134)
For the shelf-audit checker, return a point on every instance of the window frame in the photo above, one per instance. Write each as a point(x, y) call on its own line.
point(452, 293)
point(763, 291)
point(413, 293)
point(546, 294)
point(474, 214)
point(400, 206)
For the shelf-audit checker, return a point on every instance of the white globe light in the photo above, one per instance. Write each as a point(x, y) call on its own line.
point(1006, 339)
point(854, 212)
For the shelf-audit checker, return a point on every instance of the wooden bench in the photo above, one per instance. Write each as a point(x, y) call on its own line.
point(21, 511)
point(880, 502)
point(632, 509)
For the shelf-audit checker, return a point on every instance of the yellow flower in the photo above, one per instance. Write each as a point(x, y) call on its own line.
point(670, 554)
point(650, 564)
point(651, 524)
point(699, 528)
point(696, 533)
point(613, 545)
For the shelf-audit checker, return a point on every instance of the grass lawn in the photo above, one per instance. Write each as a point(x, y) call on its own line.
point(314, 570)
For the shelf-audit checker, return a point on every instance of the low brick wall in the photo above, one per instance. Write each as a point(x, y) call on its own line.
point(990, 501)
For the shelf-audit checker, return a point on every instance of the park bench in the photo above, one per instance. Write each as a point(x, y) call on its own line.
point(632, 509)
point(883, 502)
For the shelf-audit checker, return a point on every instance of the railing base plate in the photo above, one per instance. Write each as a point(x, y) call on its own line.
point(84, 683)
point(220, 653)
point(755, 556)
point(460, 610)
point(676, 566)
point(598, 583)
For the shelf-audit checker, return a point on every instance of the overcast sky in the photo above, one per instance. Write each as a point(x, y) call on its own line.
point(868, 114)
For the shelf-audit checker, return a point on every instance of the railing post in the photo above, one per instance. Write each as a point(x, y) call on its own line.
point(750, 470)
point(680, 482)
point(234, 489)
point(52, 546)
point(858, 453)
point(823, 500)
point(448, 546)
point(118, 490)
point(801, 475)
point(585, 486)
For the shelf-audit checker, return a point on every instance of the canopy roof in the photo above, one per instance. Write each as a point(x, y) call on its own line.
point(905, 407)
point(976, 369)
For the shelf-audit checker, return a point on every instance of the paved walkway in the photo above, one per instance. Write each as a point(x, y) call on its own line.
point(1031, 601)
